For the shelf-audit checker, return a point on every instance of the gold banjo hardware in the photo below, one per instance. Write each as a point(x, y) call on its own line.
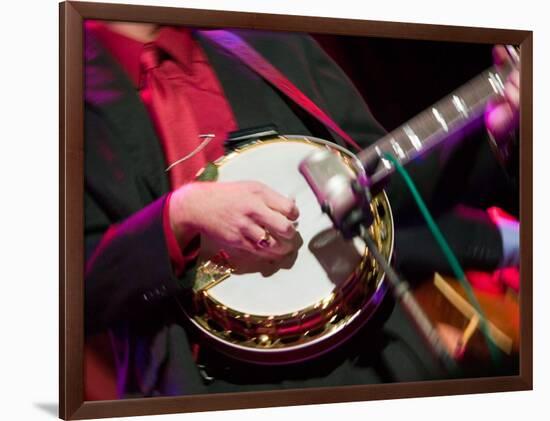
point(309, 325)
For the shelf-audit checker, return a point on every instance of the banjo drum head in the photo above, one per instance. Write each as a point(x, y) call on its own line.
point(268, 290)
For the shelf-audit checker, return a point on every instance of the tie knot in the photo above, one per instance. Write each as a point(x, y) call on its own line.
point(150, 57)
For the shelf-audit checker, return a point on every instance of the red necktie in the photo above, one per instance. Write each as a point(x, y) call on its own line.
point(160, 89)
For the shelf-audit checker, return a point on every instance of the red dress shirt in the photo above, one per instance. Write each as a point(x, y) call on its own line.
point(210, 109)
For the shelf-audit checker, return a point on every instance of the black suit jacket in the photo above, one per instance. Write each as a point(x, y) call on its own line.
point(129, 279)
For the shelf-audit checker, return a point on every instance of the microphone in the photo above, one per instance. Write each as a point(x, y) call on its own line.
point(343, 196)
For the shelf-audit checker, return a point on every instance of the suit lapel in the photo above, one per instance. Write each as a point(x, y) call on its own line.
point(134, 146)
point(254, 101)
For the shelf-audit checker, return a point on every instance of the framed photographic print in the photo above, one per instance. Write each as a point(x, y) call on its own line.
point(265, 210)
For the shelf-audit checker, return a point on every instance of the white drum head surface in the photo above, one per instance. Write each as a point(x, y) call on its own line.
point(323, 261)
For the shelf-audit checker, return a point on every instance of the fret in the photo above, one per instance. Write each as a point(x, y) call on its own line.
point(397, 148)
point(496, 83)
point(438, 122)
point(387, 165)
point(460, 106)
point(413, 137)
point(440, 119)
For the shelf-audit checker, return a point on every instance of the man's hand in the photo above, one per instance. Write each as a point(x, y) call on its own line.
point(235, 214)
point(502, 114)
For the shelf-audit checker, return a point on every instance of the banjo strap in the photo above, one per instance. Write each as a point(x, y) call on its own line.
point(239, 48)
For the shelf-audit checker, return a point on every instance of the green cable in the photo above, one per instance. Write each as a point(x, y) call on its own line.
point(449, 255)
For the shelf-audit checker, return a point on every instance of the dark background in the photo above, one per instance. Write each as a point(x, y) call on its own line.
point(400, 78)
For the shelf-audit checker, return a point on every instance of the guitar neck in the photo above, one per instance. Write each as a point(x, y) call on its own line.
point(442, 120)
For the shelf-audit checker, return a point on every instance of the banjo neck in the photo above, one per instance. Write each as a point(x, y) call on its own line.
point(441, 121)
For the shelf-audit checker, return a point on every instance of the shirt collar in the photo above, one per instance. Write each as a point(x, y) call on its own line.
point(178, 42)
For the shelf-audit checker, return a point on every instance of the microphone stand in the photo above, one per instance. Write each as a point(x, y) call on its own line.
point(356, 223)
point(347, 202)
point(414, 312)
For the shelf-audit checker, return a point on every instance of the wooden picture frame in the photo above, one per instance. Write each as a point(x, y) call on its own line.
point(71, 265)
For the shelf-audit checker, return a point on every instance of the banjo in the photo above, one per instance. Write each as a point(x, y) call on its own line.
point(296, 309)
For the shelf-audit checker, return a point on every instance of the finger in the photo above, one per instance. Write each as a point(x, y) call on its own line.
point(282, 247)
point(239, 242)
point(250, 246)
point(500, 120)
point(274, 222)
point(500, 55)
point(280, 203)
point(272, 250)
point(254, 233)
point(512, 95)
point(513, 78)
point(260, 242)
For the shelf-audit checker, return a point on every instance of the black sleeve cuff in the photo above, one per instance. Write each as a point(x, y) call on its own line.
point(130, 272)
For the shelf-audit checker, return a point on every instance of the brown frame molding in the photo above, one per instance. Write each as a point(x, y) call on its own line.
point(71, 261)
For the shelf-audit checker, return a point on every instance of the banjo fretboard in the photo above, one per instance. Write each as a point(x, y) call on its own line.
point(445, 118)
